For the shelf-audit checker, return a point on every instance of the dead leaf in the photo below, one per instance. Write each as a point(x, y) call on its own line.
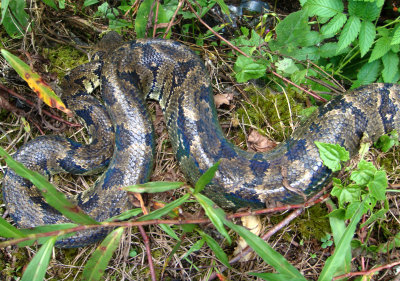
point(220, 99)
point(252, 223)
point(259, 142)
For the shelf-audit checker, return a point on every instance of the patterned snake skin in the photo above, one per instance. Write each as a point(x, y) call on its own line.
point(172, 74)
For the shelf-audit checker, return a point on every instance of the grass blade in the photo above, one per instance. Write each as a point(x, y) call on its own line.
point(9, 231)
point(333, 262)
point(206, 178)
point(153, 187)
point(98, 262)
point(37, 268)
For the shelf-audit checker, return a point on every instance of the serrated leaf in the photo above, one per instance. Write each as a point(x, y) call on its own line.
point(325, 8)
point(9, 231)
point(332, 155)
point(166, 209)
point(246, 68)
point(396, 36)
point(386, 142)
point(287, 66)
point(382, 46)
point(153, 187)
point(214, 213)
point(368, 11)
point(364, 174)
point(266, 252)
point(97, 264)
point(219, 253)
point(334, 25)
point(369, 72)
point(390, 65)
point(52, 196)
point(367, 36)
point(377, 186)
point(206, 178)
point(35, 82)
point(350, 31)
point(36, 269)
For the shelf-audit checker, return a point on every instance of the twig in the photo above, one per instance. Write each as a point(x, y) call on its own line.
point(180, 3)
point(367, 272)
point(148, 251)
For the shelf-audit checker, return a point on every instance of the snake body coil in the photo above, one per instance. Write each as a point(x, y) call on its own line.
point(172, 74)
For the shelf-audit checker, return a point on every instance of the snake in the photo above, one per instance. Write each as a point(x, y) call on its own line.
point(122, 138)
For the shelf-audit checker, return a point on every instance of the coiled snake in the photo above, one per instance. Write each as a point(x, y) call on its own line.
point(172, 74)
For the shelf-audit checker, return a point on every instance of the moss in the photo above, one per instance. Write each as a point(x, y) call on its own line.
point(312, 224)
point(64, 58)
point(271, 112)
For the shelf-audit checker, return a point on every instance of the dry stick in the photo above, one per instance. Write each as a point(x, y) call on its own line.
point(148, 250)
point(2, 87)
point(314, 200)
point(173, 18)
point(155, 19)
point(368, 272)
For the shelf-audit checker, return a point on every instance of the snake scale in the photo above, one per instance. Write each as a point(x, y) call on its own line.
point(176, 77)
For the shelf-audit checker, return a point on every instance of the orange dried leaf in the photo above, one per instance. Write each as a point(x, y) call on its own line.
point(35, 82)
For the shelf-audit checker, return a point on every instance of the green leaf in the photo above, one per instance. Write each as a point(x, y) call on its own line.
point(287, 66)
point(4, 7)
point(219, 253)
point(214, 213)
point(90, 2)
point(368, 11)
point(396, 35)
point(51, 3)
point(97, 264)
point(16, 21)
point(333, 262)
point(206, 178)
point(349, 32)
point(246, 68)
point(275, 277)
point(166, 209)
point(36, 269)
point(367, 36)
point(126, 215)
point(334, 25)
point(332, 155)
point(325, 8)
point(380, 214)
point(346, 194)
point(390, 65)
point(9, 231)
point(368, 73)
point(364, 174)
point(377, 186)
point(153, 187)
point(195, 247)
point(168, 229)
point(338, 226)
point(382, 46)
point(386, 142)
point(142, 17)
point(52, 196)
point(267, 253)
